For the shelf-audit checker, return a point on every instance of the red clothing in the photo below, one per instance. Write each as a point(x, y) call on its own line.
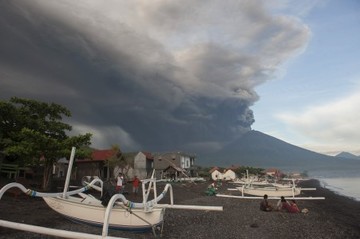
point(136, 182)
point(292, 207)
point(286, 206)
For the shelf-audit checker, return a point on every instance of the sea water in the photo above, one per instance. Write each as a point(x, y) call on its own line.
point(342, 182)
point(346, 186)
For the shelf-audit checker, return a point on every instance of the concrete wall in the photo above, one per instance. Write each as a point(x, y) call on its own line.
point(140, 166)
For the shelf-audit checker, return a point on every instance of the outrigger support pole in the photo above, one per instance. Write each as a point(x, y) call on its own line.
point(52, 232)
point(68, 175)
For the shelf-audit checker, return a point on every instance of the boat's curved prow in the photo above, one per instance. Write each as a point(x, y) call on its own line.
point(13, 185)
point(34, 193)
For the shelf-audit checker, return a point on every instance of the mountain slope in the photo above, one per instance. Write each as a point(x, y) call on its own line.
point(261, 150)
point(346, 155)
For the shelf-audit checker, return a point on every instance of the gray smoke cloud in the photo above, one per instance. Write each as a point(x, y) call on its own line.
point(147, 75)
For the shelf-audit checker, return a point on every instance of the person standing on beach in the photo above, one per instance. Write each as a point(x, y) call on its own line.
point(264, 205)
point(119, 183)
point(135, 184)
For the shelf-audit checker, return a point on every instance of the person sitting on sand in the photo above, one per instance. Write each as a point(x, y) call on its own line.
point(211, 190)
point(282, 204)
point(293, 208)
point(264, 205)
point(288, 207)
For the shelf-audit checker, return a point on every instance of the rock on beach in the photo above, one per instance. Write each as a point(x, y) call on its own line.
point(334, 217)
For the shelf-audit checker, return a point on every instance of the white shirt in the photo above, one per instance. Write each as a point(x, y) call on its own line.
point(119, 181)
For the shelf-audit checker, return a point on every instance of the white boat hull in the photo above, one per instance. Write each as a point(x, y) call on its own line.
point(92, 212)
point(272, 192)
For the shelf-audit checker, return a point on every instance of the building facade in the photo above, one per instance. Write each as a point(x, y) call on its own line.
point(143, 165)
point(181, 164)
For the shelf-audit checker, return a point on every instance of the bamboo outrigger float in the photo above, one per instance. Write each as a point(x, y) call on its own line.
point(277, 198)
point(120, 213)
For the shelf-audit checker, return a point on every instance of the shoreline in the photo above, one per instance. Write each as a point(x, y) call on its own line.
point(323, 182)
point(314, 182)
point(335, 217)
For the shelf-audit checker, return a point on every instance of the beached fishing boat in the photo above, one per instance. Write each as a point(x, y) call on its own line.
point(270, 191)
point(252, 182)
point(125, 215)
point(92, 212)
point(260, 188)
point(119, 213)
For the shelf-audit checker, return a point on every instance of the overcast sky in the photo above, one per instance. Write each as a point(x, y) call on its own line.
point(189, 75)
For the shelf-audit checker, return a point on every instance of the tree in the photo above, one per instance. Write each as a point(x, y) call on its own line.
point(114, 160)
point(32, 132)
point(120, 162)
point(251, 170)
point(203, 171)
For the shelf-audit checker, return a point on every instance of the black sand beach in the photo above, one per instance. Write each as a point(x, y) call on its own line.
point(334, 217)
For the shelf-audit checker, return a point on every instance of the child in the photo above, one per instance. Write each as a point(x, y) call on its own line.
point(135, 184)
